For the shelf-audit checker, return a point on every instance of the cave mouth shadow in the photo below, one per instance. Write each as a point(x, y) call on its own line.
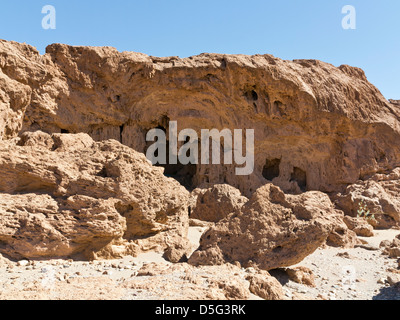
point(184, 174)
point(280, 275)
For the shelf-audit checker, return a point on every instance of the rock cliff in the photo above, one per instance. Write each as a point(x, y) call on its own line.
point(75, 181)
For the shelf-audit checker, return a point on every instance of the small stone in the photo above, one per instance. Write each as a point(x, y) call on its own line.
point(22, 263)
point(393, 279)
point(382, 281)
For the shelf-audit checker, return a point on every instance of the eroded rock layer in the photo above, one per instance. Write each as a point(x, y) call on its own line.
point(317, 127)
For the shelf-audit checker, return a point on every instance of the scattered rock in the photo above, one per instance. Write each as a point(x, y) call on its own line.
point(393, 279)
point(301, 275)
point(265, 286)
point(345, 255)
point(380, 195)
point(360, 226)
point(369, 247)
point(22, 263)
point(341, 236)
point(392, 249)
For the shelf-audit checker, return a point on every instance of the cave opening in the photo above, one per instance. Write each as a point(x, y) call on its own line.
point(183, 173)
point(254, 95)
point(271, 169)
point(299, 176)
point(121, 131)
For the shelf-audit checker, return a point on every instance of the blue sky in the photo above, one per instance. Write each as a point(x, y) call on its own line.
point(288, 29)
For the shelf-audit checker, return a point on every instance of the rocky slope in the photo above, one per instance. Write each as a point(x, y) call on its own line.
point(75, 182)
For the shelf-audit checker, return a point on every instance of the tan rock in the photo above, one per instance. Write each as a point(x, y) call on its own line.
point(392, 249)
point(360, 226)
point(341, 236)
point(301, 275)
point(380, 196)
point(217, 202)
point(271, 231)
point(64, 195)
point(37, 226)
point(394, 280)
point(265, 286)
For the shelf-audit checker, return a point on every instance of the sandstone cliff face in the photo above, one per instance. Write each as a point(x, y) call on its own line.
point(317, 127)
point(74, 180)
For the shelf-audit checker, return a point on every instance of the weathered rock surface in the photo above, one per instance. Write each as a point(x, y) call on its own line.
point(380, 193)
point(65, 195)
point(301, 275)
point(360, 226)
point(271, 230)
point(215, 203)
point(263, 285)
point(341, 236)
point(317, 127)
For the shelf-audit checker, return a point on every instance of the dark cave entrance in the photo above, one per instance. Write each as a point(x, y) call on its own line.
point(300, 176)
point(271, 169)
point(184, 174)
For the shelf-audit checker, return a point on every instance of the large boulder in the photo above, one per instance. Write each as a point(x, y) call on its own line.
point(65, 195)
point(272, 230)
point(379, 195)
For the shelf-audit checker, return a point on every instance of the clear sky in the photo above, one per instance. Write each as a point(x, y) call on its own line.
point(288, 29)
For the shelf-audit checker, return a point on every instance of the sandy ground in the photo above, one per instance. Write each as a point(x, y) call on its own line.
point(340, 274)
point(348, 274)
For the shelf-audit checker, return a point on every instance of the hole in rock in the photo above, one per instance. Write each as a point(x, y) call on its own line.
point(103, 173)
point(251, 95)
point(184, 174)
point(300, 177)
point(277, 249)
point(64, 131)
point(121, 131)
point(254, 95)
point(271, 169)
